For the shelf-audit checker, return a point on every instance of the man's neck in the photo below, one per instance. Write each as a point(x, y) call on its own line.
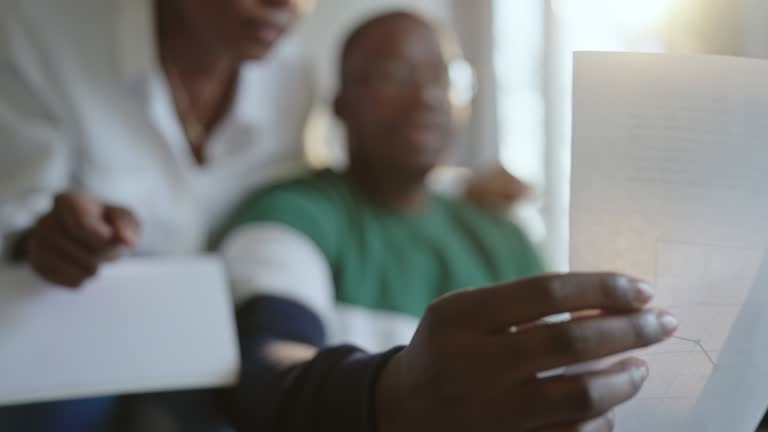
point(397, 192)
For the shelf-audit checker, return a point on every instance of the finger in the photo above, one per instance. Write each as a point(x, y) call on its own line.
point(83, 254)
point(124, 224)
point(63, 244)
point(509, 196)
point(114, 254)
point(58, 270)
point(524, 301)
point(83, 219)
point(519, 191)
point(576, 399)
point(547, 347)
point(56, 248)
point(604, 423)
point(514, 186)
point(569, 317)
point(56, 230)
point(503, 177)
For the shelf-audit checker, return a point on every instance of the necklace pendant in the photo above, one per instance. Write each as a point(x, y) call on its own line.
point(195, 131)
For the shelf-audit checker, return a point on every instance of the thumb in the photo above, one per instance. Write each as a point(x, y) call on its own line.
point(517, 188)
point(124, 225)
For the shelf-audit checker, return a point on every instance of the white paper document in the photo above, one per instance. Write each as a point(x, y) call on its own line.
point(670, 171)
point(140, 325)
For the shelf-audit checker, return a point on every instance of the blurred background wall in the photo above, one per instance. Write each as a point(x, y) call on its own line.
point(521, 51)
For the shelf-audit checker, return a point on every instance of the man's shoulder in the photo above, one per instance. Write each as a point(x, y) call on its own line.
point(473, 214)
point(312, 205)
point(311, 196)
point(317, 186)
point(496, 231)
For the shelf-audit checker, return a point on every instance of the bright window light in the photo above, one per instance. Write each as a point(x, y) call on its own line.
point(628, 15)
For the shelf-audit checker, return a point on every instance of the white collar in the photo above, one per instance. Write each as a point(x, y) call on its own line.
point(253, 100)
point(136, 38)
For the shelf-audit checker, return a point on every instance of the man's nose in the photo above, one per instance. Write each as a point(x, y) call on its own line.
point(430, 93)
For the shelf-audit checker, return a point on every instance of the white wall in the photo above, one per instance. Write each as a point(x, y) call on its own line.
point(728, 27)
point(755, 17)
point(478, 144)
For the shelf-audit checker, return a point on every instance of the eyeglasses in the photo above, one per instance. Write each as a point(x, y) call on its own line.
point(399, 76)
point(304, 6)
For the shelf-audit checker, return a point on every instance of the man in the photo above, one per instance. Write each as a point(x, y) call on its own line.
point(377, 242)
point(374, 239)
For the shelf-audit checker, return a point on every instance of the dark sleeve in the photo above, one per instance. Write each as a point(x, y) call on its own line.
point(333, 392)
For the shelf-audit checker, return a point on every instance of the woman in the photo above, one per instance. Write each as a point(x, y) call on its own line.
point(147, 120)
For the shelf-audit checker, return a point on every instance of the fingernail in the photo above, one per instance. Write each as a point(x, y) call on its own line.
point(639, 374)
point(643, 293)
point(668, 323)
point(133, 238)
point(130, 236)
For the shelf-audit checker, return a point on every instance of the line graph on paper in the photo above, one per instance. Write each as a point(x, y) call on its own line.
point(705, 286)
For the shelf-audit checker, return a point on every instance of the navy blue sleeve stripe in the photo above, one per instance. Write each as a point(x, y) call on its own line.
point(334, 391)
point(266, 318)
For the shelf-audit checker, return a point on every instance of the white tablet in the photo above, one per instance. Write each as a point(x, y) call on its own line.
point(141, 325)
